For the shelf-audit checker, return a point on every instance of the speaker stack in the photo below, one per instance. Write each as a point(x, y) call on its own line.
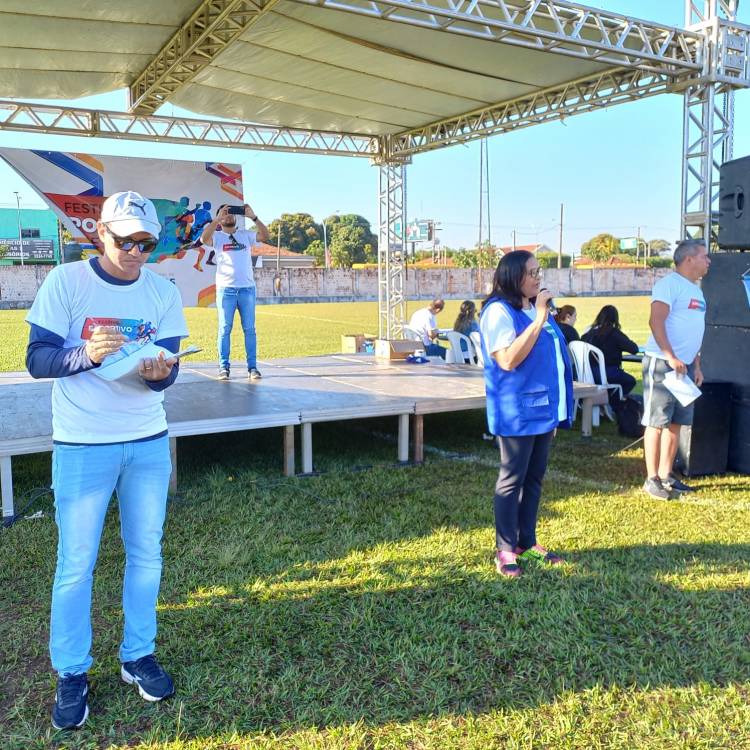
point(723, 412)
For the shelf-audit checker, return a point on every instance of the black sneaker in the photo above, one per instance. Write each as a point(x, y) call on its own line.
point(254, 374)
point(673, 483)
point(656, 489)
point(71, 704)
point(152, 681)
point(223, 374)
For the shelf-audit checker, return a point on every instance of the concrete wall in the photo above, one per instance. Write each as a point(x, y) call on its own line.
point(18, 285)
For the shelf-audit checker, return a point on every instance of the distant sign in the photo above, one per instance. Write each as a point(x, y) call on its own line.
point(629, 243)
point(37, 250)
point(418, 231)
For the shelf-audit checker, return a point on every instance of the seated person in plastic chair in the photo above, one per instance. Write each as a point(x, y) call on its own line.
point(566, 320)
point(466, 322)
point(605, 334)
point(424, 323)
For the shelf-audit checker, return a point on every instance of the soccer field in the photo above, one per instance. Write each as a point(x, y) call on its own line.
point(298, 330)
point(359, 609)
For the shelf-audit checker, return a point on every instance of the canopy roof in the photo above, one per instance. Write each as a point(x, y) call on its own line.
point(367, 67)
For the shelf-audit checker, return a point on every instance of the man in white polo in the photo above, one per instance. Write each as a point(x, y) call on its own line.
point(424, 322)
point(109, 436)
point(678, 313)
point(235, 283)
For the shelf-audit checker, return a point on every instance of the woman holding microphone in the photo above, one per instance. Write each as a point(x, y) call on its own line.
point(529, 387)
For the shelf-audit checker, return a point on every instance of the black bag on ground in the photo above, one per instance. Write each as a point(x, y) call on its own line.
point(628, 413)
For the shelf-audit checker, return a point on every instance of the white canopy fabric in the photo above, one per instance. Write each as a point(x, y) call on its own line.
point(299, 65)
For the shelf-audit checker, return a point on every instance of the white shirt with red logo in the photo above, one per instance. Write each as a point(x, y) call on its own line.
point(234, 265)
point(686, 321)
point(71, 302)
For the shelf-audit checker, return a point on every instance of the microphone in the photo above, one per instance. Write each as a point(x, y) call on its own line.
point(550, 302)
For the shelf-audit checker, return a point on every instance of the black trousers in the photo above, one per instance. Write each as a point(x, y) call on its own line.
point(523, 463)
point(618, 376)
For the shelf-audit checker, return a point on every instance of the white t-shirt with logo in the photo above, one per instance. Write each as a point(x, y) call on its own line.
point(234, 265)
point(423, 322)
point(71, 302)
point(686, 320)
point(499, 332)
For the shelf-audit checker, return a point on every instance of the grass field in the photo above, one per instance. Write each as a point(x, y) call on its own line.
point(359, 609)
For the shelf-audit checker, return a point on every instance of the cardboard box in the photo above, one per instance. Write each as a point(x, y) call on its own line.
point(352, 343)
point(393, 349)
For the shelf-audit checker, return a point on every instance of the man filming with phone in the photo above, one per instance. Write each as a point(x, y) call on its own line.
point(235, 284)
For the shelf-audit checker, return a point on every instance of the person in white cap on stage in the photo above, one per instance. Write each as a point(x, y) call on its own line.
point(109, 436)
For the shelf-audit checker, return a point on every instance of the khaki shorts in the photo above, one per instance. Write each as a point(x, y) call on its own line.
point(660, 407)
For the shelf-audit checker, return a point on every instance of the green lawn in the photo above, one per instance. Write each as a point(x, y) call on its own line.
point(360, 609)
point(295, 330)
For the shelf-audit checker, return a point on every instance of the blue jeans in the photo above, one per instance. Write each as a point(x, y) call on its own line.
point(228, 300)
point(84, 478)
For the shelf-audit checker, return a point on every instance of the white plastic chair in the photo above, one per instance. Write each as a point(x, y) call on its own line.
point(456, 353)
point(411, 335)
point(476, 339)
point(580, 354)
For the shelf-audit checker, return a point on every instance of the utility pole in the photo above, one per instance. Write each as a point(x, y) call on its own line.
point(278, 250)
point(560, 246)
point(325, 246)
point(514, 239)
point(20, 233)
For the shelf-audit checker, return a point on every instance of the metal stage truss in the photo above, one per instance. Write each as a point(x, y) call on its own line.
point(381, 79)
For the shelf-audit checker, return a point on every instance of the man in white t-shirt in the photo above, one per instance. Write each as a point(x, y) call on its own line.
point(424, 323)
point(678, 312)
point(235, 284)
point(109, 436)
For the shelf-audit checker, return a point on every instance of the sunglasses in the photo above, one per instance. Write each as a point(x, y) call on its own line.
point(126, 244)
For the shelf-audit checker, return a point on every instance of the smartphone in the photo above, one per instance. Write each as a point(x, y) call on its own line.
point(237, 210)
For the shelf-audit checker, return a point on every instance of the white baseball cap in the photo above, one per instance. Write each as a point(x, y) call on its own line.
point(129, 212)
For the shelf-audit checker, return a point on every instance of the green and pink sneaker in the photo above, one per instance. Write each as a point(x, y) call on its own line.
point(538, 554)
point(507, 564)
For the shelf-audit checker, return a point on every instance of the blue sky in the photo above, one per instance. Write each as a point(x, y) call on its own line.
point(614, 170)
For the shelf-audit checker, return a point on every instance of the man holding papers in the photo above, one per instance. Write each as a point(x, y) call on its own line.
point(109, 436)
point(671, 364)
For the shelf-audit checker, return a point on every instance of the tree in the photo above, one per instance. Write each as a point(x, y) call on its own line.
point(659, 246)
point(296, 231)
point(318, 251)
point(350, 240)
point(600, 248)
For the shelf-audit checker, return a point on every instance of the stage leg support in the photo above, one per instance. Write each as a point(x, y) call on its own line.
point(403, 438)
point(418, 439)
point(6, 482)
point(289, 466)
point(307, 453)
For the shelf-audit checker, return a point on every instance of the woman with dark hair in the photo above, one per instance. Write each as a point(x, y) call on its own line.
point(566, 320)
point(605, 334)
point(466, 322)
point(529, 389)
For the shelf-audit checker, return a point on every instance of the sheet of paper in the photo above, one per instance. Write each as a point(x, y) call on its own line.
point(682, 388)
point(125, 362)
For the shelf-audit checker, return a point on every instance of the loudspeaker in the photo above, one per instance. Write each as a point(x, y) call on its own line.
point(734, 204)
point(724, 289)
point(704, 446)
point(739, 451)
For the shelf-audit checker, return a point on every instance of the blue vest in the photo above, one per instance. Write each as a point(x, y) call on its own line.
point(525, 401)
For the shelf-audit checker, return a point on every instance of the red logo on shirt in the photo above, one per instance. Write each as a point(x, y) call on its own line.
point(697, 304)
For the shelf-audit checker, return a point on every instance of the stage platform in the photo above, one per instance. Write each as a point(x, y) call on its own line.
point(293, 392)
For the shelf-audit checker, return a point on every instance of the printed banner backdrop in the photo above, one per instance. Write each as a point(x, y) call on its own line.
point(186, 194)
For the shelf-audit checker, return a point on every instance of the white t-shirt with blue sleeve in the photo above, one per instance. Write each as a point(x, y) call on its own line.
point(71, 302)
